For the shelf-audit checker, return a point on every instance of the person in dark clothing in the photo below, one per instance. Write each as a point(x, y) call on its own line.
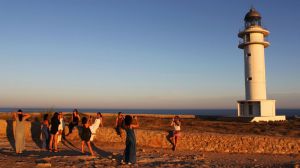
point(53, 132)
point(120, 124)
point(130, 150)
point(45, 132)
point(75, 120)
point(86, 135)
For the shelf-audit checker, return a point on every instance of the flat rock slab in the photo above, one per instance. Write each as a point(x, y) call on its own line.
point(43, 165)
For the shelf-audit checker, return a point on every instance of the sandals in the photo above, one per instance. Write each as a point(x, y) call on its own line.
point(55, 150)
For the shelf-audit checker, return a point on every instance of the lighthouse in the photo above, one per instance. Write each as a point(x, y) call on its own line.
point(253, 42)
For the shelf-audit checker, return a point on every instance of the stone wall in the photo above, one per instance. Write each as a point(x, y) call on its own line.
point(188, 140)
point(209, 141)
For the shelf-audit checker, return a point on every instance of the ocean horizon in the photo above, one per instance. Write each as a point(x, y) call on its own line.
point(201, 112)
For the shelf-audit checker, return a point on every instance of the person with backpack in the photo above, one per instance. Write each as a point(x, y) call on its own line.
point(86, 135)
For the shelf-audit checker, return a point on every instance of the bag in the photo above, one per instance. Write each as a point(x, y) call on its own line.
point(86, 134)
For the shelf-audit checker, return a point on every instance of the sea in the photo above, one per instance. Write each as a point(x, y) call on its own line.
point(201, 112)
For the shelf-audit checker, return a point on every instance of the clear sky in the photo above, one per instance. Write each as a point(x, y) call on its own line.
point(141, 54)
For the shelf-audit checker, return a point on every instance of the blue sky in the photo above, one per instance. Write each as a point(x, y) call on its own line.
point(140, 54)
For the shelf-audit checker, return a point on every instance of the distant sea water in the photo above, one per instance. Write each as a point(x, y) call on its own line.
point(203, 112)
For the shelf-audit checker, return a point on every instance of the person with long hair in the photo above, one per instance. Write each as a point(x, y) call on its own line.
point(19, 131)
point(176, 123)
point(54, 132)
point(74, 120)
point(45, 132)
point(61, 126)
point(119, 126)
point(130, 149)
point(86, 135)
point(97, 123)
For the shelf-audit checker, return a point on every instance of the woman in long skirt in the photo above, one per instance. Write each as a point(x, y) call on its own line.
point(130, 150)
point(20, 130)
point(45, 132)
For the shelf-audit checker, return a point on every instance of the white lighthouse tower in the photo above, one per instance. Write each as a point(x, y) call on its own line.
point(253, 43)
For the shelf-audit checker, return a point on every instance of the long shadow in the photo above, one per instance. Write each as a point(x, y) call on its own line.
point(99, 151)
point(36, 133)
point(67, 143)
point(10, 133)
point(106, 154)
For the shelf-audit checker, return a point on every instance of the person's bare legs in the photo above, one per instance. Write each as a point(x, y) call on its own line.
point(82, 147)
point(90, 148)
point(175, 142)
point(51, 142)
point(55, 143)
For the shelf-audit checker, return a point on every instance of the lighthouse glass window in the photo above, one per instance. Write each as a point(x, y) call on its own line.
point(247, 38)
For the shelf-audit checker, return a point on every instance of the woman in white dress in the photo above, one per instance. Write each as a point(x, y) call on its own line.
point(97, 123)
point(61, 127)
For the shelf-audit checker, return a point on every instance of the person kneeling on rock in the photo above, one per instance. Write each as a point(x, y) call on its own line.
point(86, 135)
point(97, 123)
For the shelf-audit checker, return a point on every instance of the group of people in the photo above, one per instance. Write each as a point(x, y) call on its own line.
point(52, 131)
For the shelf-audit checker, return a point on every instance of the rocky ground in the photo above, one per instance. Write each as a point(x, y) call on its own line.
point(109, 155)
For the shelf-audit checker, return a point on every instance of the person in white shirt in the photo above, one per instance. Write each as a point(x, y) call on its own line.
point(176, 123)
point(61, 127)
point(97, 123)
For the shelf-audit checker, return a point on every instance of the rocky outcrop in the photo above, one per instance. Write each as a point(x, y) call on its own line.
point(204, 141)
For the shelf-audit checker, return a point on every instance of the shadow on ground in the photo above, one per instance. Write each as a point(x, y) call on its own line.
point(10, 133)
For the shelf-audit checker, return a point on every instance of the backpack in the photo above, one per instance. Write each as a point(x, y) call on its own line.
point(86, 133)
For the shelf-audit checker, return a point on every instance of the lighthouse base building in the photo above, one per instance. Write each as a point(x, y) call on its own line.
point(256, 105)
point(258, 110)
